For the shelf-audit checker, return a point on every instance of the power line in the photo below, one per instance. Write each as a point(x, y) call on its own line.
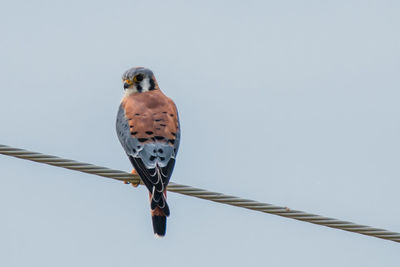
point(204, 194)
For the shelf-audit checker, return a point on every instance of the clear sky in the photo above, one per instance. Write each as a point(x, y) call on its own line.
point(294, 103)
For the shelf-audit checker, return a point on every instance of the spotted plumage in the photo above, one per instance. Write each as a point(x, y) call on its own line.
point(148, 129)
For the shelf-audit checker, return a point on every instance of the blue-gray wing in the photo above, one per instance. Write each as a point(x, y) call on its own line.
point(151, 148)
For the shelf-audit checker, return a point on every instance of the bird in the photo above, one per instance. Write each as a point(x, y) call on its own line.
point(148, 129)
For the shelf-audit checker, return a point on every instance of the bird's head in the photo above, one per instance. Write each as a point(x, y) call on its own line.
point(139, 80)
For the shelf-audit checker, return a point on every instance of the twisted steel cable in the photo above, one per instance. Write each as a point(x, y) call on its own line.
point(204, 194)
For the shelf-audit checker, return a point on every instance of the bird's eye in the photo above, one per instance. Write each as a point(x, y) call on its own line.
point(138, 78)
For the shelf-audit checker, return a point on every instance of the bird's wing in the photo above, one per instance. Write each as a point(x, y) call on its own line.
point(148, 129)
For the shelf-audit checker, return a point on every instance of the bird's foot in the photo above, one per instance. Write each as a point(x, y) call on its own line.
point(134, 172)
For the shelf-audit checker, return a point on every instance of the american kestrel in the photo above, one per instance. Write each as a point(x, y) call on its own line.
point(148, 129)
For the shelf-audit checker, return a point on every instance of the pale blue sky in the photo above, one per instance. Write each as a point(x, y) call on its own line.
point(294, 103)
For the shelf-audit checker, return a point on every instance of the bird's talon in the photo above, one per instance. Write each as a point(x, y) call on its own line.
point(134, 172)
point(126, 182)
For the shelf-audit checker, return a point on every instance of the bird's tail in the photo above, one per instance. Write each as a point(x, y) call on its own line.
point(159, 224)
point(159, 213)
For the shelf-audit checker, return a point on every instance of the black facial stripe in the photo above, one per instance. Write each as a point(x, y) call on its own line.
point(152, 85)
point(139, 88)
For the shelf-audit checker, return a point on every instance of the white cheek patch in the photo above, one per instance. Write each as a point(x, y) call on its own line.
point(130, 91)
point(145, 84)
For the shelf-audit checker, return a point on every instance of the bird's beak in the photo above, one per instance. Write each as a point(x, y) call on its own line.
point(127, 84)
